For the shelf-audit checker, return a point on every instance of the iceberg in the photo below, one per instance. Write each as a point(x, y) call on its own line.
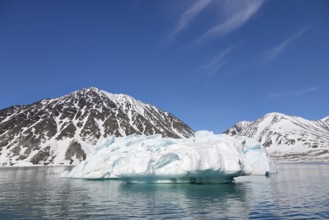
point(204, 158)
point(257, 157)
point(254, 152)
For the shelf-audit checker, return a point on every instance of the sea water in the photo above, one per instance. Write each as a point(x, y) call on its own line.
point(298, 191)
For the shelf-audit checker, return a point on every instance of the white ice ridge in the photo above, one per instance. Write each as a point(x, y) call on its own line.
point(205, 158)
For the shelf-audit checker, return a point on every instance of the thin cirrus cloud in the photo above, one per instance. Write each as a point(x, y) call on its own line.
point(291, 93)
point(216, 63)
point(186, 18)
point(230, 16)
point(273, 53)
point(234, 15)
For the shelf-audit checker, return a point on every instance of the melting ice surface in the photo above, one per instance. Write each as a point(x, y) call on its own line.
point(205, 158)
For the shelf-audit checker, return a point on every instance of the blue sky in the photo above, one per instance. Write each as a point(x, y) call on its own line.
point(212, 63)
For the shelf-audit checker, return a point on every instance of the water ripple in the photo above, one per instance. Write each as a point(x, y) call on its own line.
point(299, 191)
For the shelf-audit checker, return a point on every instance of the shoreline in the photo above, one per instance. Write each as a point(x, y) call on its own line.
point(68, 165)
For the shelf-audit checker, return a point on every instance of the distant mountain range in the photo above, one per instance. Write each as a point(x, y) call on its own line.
point(64, 130)
point(288, 138)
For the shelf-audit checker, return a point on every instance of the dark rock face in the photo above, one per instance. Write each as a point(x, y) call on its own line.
point(41, 156)
point(78, 121)
point(284, 135)
point(75, 149)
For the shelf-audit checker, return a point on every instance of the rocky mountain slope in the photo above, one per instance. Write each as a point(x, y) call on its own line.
point(237, 128)
point(64, 130)
point(288, 137)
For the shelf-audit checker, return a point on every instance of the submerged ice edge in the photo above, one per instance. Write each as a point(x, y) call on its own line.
point(204, 158)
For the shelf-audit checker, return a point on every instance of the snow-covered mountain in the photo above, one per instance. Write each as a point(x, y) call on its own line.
point(65, 130)
point(288, 137)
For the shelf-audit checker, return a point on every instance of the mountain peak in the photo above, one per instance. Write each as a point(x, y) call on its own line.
point(277, 114)
point(88, 89)
point(118, 98)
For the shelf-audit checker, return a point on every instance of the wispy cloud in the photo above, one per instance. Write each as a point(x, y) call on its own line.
point(236, 14)
point(291, 93)
point(192, 11)
point(215, 64)
point(230, 15)
point(273, 53)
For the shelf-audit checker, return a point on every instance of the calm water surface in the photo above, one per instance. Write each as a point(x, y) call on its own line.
point(298, 191)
